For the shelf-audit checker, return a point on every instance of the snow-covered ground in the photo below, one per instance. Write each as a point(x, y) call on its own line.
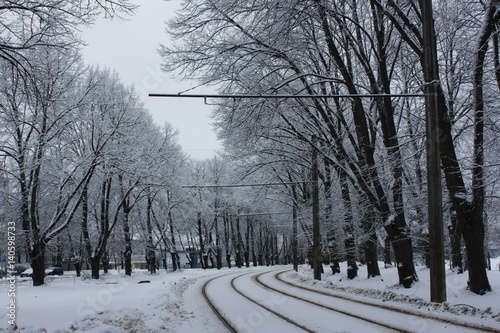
point(172, 302)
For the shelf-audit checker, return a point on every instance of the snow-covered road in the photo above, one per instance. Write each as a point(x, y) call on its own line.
point(174, 302)
point(255, 308)
point(263, 301)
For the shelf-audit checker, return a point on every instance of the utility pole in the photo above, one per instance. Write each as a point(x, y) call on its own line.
point(317, 264)
point(202, 245)
point(435, 212)
point(295, 243)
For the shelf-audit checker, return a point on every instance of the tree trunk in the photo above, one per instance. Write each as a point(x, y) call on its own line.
point(266, 246)
point(86, 234)
point(496, 56)
point(150, 249)
point(127, 254)
point(370, 243)
point(105, 262)
point(260, 248)
point(387, 253)
point(295, 243)
point(164, 259)
point(331, 233)
point(100, 249)
point(349, 241)
point(218, 250)
point(370, 248)
point(473, 235)
point(95, 264)
point(227, 239)
point(456, 244)
point(277, 251)
point(239, 243)
point(252, 241)
point(247, 245)
point(402, 245)
point(37, 254)
point(173, 251)
point(234, 240)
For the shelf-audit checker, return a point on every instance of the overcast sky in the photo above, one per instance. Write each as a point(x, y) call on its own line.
point(130, 48)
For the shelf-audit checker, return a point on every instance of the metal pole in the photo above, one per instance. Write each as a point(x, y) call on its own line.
point(435, 213)
point(315, 202)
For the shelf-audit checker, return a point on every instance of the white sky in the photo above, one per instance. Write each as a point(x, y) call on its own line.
point(130, 48)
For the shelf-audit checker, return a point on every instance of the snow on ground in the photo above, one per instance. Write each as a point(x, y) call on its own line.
point(385, 289)
point(171, 301)
point(114, 303)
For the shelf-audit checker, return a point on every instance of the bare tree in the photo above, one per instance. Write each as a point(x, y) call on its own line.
point(36, 115)
point(109, 118)
point(28, 25)
point(405, 17)
point(326, 68)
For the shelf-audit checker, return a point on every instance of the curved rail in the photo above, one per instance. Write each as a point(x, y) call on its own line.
point(226, 321)
point(257, 278)
point(232, 327)
point(215, 309)
point(454, 322)
point(267, 308)
point(343, 312)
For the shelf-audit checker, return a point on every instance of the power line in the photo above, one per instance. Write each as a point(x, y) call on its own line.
point(271, 213)
point(205, 96)
point(245, 185)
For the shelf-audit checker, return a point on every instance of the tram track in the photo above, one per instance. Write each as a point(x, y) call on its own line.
point(425, 316)
point(224, 318)
point(313, 301)
point(216, 309)
point(268, 308)
point(272, 310)
point(343, 312)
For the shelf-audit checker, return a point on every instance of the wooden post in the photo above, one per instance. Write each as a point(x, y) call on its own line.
point(295, 243)
point(435, 213)
point(315, 202)
point(202, 245)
